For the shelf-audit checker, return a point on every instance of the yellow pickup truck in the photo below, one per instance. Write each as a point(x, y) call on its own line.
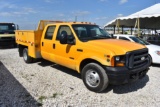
point(87, 49)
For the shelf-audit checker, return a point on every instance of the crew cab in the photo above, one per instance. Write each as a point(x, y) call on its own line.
point(87, 49)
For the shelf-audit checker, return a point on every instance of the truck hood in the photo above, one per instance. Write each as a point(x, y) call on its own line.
point(119, 47)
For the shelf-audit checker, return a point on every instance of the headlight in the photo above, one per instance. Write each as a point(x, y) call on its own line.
point(118, 60)
point(158, 52)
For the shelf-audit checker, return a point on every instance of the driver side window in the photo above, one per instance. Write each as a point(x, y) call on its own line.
point(64, 30)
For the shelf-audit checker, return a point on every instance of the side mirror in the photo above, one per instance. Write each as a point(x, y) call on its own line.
point(71, 40)
point(63, 38)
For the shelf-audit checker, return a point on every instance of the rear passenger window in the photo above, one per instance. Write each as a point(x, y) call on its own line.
point(123, 38)
point(49, 32)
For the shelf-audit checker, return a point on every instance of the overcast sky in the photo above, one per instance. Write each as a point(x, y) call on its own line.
point(27, 13)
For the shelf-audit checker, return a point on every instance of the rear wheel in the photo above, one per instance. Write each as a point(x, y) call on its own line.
point(94, 77)
point(26, 57)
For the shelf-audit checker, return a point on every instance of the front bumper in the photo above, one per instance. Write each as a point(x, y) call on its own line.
point(122, 75)
point(7, 41)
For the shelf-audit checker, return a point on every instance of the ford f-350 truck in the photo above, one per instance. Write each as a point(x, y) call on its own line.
point(87, 49)
point(7, 34)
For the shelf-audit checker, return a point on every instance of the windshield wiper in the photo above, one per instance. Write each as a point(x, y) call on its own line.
point(94, 38)
point(100, 37)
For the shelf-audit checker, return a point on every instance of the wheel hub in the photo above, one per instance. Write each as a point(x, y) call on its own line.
point(25, 55)
point(92, 78)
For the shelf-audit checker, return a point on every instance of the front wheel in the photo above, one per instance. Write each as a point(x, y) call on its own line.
point(150, 58)
point(26, 57)
point(95, 77)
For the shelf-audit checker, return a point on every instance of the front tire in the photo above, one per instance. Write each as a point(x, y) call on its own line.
point(150, 59)
point(26, 57)
point(95, 77)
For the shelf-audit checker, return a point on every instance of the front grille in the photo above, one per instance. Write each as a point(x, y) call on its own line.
point(6, 38)
point(137, 59)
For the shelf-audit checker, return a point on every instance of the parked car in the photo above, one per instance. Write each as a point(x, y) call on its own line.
point(154, 50)
point(152, 39)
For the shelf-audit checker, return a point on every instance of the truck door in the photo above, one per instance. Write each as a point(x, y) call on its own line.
point(47, 44)
point(66, 54)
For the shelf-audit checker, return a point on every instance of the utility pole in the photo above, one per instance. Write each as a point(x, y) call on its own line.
point(75, 18)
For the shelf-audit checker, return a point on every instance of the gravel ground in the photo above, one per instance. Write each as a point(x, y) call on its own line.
point(49, 85)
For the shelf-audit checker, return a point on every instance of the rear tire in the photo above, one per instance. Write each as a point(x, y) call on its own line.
point(26, 57)
point(95, 77)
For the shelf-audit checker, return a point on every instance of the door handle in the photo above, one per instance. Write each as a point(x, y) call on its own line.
point(42, 43)
point(54, 46)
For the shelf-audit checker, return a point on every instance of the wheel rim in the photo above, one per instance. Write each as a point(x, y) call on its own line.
point(92, 78)
point(25, 55)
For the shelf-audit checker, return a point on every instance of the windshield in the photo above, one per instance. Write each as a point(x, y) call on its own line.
point(7, 28)
point(139, 40)
point(89, 32)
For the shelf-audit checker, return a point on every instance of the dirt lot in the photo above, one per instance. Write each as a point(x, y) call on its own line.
point(49, 85)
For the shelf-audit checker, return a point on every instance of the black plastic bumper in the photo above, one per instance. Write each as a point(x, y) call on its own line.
point(7, 42)
point(122, 75)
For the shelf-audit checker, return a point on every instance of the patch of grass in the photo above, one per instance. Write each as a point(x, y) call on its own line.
point(55, 95)
point(61, 94)
point(41, 98)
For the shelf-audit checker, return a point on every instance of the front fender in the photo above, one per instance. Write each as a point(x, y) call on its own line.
point(101, 58)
